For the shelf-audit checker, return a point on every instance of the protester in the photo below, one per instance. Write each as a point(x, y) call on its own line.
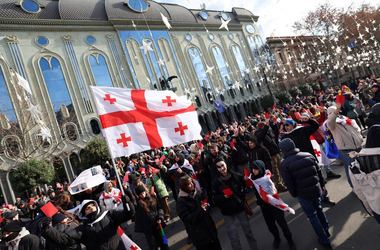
point(99, 230)
point(228, 194)
point(346, 134)
point(17, 237)
point(110, 198)
point(304, 180)
point(271, 213)
point(193, 210)
point(148, 218)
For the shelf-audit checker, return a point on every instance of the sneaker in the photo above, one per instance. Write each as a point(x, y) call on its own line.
point(327, 246)
point(337, 162)
point(282, 188)
point(333, 175)
point(188, 241)
point(328, 201)
point(276, 243)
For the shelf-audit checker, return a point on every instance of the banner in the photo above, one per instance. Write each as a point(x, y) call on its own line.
point(89, 178)
point(219, 106)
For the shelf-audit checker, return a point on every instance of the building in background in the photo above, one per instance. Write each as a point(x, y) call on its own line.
point(61, 47)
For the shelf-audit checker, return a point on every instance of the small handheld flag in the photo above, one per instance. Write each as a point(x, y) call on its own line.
point(163, 235)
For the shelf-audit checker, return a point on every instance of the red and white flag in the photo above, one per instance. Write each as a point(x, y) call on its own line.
point(128, 243)
point(268, 192)
point(136, 120)
point(319, 153)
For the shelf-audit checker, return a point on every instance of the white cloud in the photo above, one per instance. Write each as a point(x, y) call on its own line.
point(278, 15)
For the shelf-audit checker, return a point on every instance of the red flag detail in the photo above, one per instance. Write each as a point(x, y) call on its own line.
point(232, 144)
point(162, 158)
point(200, 145)
point(228, 192)
point(49, 209)
point(168, 101)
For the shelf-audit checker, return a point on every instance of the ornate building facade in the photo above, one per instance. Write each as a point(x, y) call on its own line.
point(61, 47)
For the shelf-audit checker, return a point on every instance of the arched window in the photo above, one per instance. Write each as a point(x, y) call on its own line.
point(100, 70)
point(201, 72)
point(58, 92)
point(255, 50)
point(59, 170)
point(75, 163)
point(239, 59)
point(95, 127)
point(222, 67)
point(6, 107)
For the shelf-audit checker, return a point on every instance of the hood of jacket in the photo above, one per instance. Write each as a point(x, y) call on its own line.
point(260, 165)
point(286, 145)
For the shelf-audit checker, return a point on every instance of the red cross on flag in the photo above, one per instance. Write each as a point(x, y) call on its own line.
point(136, 120)
point(319, 153)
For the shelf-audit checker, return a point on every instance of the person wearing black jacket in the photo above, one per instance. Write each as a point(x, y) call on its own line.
point(303, 177)
point(99, 230)
point(239, 154)
point(271, 213)
point(194, 213)
point(148, 216)
point(228, 193)
point(209, 162)
point(17, 237)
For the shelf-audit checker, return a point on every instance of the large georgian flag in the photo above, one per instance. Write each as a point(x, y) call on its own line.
point(136, 120)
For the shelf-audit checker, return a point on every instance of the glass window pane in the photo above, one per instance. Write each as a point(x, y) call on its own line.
point(6, 106)
point(57, 89)
point(222, 67)
point(100, 71)
point(200, 70)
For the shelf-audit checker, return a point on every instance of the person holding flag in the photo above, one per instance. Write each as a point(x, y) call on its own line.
point(148, 218)
point(193, 209)
point(229, 195)
point(156, 186)
point(272, 207)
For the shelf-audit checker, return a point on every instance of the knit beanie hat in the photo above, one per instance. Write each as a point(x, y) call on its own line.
point(58, 218)
point(14, 227)
point(376, 109)
point(140, 189)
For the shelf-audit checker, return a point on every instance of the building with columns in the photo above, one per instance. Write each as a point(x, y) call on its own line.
point(61, 47)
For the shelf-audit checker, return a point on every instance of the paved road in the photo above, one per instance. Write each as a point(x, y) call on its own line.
point(350, 227)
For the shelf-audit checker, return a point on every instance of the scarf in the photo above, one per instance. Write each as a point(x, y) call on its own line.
point(13, 244)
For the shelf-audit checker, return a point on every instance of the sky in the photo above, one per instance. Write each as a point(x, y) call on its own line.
point(275, 16)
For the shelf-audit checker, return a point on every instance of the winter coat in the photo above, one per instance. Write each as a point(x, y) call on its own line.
point(147, 222)
point(268, 141)
point(159, 186)
point(99, 234)
point(239, 156)
point(359, 108)
point(301, 136)
point(372, 120)
point(230, 205)
point(260, 153)
point(210, 166)
point(23, 241)
point(301, 172)
point(62, 228)
point(346, 137)
point(376, 97)
point(199, 224)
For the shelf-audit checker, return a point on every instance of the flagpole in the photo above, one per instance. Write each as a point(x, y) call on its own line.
point(118, 179)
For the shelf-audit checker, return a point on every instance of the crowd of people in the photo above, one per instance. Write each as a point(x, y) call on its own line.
point(217, 171)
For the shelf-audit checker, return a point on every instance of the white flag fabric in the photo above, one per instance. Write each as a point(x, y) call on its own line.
point(23, 83)
point(265, 187)
point(89, 178)
point(319, 153)
point(136, 120)
point(128, 243)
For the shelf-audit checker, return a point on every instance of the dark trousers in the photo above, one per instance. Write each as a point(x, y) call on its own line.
point(211, 246)
point(155, 241)
point(271, 215)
